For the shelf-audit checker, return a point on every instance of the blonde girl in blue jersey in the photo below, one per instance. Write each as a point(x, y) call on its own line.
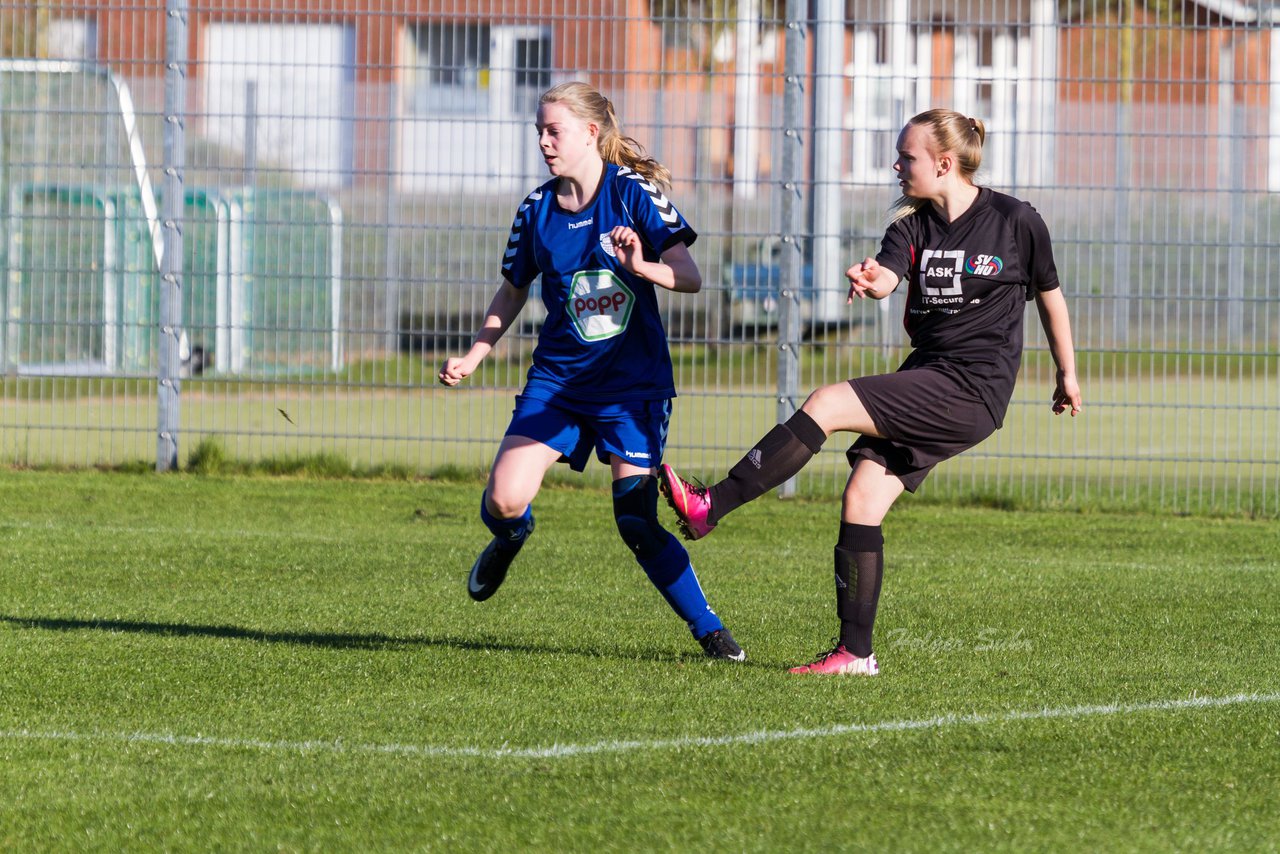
point(602, 237)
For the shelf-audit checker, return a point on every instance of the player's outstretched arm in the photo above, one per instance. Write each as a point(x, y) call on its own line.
point(1052, 306)
point(504, 307)
point(868, 279)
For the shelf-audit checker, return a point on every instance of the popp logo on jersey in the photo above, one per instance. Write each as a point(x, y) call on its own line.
point(599, 304)
point(984, 265)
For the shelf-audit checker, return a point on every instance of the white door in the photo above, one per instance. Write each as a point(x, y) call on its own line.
point(521, 71)
point(300, 112)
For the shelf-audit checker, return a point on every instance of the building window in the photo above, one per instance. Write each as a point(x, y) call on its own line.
point(476, 69)
point(450, 68)
point(990, 84)
point(986, 57)
point(532, 70)
point(889, 76)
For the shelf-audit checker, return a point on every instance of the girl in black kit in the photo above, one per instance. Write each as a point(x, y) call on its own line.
point(971, 258)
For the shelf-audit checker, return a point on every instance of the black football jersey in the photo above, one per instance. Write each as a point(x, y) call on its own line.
point(968, 283)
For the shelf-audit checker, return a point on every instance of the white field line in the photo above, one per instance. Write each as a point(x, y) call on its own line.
point(561, 751)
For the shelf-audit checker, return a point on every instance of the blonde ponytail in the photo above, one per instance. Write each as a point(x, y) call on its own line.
point(589, 105)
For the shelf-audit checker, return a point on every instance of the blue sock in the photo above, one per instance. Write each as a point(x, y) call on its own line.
point(673, 575)
point(513, 531)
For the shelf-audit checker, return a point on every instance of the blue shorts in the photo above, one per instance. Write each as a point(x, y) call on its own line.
point(636, 431)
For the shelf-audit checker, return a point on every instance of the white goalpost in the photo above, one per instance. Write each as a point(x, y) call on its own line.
point(82, 242)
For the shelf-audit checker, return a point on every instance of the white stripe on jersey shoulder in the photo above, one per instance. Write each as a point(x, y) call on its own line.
point(517, 228)
point(666, 210)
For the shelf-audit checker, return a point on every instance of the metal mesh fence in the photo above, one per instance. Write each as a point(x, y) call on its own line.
point(348, 176)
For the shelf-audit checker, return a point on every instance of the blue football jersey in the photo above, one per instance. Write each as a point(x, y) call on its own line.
point(603, 338)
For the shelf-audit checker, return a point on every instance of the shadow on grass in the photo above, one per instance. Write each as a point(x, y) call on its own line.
point(331, 640)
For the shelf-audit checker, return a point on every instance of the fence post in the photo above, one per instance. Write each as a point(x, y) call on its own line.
point(6, 314)
point(171, 332)
point(828, 163)
point(391, 309)
point(251, 133)
point(791, 269)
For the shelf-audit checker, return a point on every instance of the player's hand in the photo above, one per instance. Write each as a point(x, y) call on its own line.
point(1066, 393)
point(626, 246)
point(454, 371)
point(860, 276)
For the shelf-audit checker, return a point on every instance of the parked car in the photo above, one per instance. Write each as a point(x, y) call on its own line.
point(755, 289)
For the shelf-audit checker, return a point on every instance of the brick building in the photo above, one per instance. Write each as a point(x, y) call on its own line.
point(440, 94)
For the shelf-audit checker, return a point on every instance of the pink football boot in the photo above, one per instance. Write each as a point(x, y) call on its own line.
point(690, 502)
point(840, 660)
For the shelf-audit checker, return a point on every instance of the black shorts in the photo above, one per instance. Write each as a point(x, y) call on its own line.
point(925, 415)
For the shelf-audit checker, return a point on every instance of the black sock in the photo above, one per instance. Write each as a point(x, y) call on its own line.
point(776, 458)
point(859, 570)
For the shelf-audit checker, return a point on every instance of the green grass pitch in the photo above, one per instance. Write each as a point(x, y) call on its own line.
point(253, 663)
